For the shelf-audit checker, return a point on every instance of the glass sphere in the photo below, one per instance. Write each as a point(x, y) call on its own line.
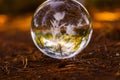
point(61, 28)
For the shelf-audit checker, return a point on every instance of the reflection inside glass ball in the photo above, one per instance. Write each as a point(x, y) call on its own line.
point(61, 28)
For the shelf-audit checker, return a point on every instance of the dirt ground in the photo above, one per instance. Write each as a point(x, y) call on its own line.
point(21, 60)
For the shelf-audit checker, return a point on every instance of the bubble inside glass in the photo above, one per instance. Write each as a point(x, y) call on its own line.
point(61, 28)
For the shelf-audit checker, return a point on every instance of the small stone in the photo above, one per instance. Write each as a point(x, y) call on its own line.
point(119, 64)
point(88, 62)
point(39, 76)
point(117, 54)
point(118, 73)
point(90, 53)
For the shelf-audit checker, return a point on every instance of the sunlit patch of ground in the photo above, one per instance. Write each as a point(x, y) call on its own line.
point(107, 16)
point(3, 19)
point(21, 22)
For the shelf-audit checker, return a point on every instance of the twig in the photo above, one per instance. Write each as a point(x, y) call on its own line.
point(25, 62)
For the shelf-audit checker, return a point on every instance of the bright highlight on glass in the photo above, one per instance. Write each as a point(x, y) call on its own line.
point(61, 28)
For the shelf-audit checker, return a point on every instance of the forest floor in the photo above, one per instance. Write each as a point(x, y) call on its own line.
point(21, 60)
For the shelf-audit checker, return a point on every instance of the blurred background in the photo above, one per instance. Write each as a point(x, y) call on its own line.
point(25, 6)
point(17, 14)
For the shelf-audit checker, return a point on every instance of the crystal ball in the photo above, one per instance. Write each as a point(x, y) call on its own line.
point(61, 28)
